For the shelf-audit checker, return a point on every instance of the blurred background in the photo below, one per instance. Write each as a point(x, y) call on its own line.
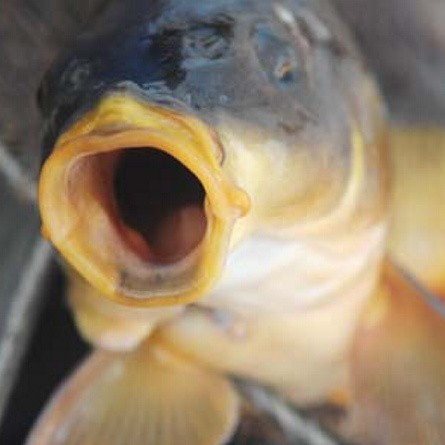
point(403, 42)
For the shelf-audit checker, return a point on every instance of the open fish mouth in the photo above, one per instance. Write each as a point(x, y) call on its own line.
point(159, 204)
point(135, 198)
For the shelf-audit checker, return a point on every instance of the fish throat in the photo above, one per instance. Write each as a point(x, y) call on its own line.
point(160, 205)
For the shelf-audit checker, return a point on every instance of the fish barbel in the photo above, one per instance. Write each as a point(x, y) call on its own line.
point(216, 178)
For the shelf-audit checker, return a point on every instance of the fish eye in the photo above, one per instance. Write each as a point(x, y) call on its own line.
point(278, 59)
point(208, 41)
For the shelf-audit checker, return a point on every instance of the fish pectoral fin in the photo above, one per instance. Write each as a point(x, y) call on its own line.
point(399, 367)
point(145, 397)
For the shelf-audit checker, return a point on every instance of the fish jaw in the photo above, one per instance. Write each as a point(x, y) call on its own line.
point(83, 217)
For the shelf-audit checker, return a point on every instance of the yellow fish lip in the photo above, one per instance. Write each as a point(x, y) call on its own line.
point(78, 223)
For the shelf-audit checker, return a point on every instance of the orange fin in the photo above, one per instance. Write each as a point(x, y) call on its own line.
point(399, 367)
point(145, 397)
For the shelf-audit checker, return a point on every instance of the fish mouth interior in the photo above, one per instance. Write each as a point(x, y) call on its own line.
point(139, 215)
point(159, 204)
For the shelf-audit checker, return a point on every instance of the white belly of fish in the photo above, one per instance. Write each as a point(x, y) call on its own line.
point(267, 274)
point(285, 314)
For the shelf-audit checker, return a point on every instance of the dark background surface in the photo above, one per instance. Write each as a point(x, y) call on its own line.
point(403, 42)
point(54, 350)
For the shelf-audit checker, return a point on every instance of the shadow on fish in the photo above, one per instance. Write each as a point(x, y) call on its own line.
point(216, 178)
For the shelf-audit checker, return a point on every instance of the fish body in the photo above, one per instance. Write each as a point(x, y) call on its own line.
point(217, 174)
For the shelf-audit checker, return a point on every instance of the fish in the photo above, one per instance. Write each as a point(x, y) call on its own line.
point(216, 177)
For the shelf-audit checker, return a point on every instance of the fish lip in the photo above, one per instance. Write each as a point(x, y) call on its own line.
point(122, 121)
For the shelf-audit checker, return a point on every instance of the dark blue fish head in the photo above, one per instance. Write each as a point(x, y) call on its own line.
point(234, 54)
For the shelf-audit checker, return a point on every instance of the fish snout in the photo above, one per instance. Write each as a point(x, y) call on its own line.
point(135, 198)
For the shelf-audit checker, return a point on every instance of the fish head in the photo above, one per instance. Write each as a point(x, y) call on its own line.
point(171, 140)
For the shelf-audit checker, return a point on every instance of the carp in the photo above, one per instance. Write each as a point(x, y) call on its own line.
point(216, 177)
